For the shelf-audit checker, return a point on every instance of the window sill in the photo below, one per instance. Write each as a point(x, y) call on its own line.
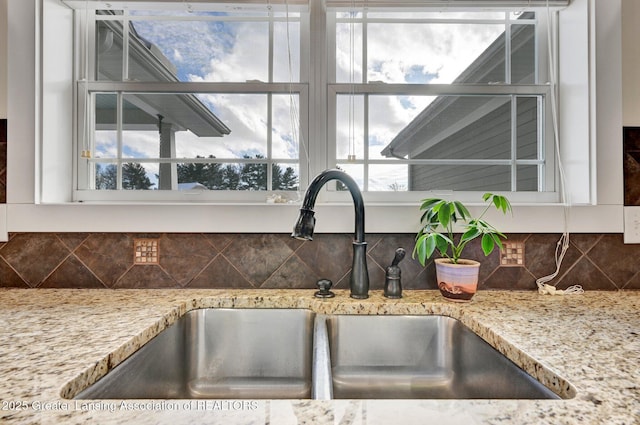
point(279, 218)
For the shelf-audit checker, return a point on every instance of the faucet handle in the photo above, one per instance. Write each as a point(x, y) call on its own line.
point(392, 281)
point(400, 253)
point(324, 286)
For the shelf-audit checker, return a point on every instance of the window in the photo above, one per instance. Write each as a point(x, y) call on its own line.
point(212, 101)
point(420, 96)
point(182, 99)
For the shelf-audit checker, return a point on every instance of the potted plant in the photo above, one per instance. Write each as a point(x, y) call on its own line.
point(457, 277)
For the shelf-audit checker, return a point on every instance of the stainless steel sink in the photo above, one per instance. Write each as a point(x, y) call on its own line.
point(296, 354)
point(219, 353)
point(410, 357)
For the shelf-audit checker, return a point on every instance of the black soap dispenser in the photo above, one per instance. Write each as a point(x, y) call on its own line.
point(392, 282)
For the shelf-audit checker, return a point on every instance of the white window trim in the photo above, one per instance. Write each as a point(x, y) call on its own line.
point(25, 212)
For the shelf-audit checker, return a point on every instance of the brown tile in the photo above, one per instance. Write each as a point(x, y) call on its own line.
point(3, 156)
point(107, 255)
point(585, 273)
point(183, 256)
point(616, 260)
point(292, 243)
point(600, 262)
point(3, 130)
point(328, 255)
point(540, 255)
point(631, 165)
point(488, 264)
point(376, 278)
point(631, 138)
point(72, 240)
point(34, 255)
point(516, 278)
point(634, 282)
point(220, 274)
point(145, 277)
point(258, 256)
point(631, 173)
point(584, 241)
point(384, 251)
point(9, 278)
point(294, 273)
point(72, 274)
point(518, 237)
point(218, 240)
point(425, 280)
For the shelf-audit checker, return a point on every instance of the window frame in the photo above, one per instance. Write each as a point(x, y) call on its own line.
point(87, 87)
point(313, 164)
point(39, 166)
point(548, 174)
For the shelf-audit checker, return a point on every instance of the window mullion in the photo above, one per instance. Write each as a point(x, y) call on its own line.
point(514, 143)
point(269, 141)
point(543, 135)
point(366, 142)
point(365, 78)
point(270, 59)
point(507, 48)
point(125, 45)
point(119, 135)
point(271, 47)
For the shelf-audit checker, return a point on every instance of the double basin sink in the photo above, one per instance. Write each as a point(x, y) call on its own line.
point(298, 354)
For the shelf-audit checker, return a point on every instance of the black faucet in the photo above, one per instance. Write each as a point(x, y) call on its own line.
point(359, 283)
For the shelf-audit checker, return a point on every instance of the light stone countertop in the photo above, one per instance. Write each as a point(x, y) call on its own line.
point(54, 342)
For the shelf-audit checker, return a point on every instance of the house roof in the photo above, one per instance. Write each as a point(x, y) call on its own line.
point(442, 117)
point(147, 63)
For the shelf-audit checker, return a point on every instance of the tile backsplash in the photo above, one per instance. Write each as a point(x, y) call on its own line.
point(631, 165)
point(106, 260)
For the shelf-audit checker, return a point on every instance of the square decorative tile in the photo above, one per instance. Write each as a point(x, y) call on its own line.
point(146, 251)
point(512, 254)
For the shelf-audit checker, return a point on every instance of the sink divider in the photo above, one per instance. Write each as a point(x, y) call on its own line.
point(322, 388)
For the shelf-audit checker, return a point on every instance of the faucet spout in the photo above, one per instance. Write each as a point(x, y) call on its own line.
point(303, 229)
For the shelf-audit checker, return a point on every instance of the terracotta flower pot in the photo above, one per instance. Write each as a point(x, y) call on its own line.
point(457, 282)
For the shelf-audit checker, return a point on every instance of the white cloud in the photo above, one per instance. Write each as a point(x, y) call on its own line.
point(245, 58)
point(397, 50)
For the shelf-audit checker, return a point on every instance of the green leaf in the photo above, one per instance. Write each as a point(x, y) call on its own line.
point(487, 244)
point(429, 203)
point(496, 202)
point(444, 214)
point(436, 207)
point(470, 234)
point(432, 216)
point(419, 250)
point(496, 239)
point(462, 210)
point(425, 247)
point(500, 202)
point(506, 205)
point(442, 243)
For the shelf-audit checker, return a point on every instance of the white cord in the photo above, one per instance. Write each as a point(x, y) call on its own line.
point(563, 244)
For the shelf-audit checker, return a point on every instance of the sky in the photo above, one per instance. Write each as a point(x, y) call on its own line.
point(238, 51)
